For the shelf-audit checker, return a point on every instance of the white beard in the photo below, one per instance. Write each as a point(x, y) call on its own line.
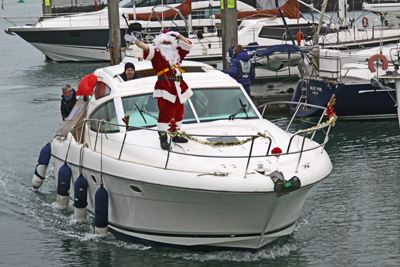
point(170, 53)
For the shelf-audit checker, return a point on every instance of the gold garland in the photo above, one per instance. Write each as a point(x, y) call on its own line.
point(215, 144)
point(332, 121)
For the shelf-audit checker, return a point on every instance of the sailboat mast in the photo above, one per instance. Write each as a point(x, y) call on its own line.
point(342, 13)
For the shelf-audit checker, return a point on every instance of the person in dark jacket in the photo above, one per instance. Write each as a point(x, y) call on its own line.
point(129, 73)
point(241, 68)
point(68, 100)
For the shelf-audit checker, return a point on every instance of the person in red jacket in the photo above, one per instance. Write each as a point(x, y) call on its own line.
point(170, 89)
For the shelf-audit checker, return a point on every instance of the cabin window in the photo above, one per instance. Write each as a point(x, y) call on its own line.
point(106, 112)
point(279, 33)
point(216, 104)
point(152, 3)
point(101, 90)
point(204, 13)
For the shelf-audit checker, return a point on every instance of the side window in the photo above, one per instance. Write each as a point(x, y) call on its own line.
point(106, 112)
point(101, 90)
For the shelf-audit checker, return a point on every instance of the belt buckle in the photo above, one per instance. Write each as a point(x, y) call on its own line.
point(178, 78)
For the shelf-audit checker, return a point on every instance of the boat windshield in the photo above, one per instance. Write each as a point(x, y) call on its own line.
point(209, 104)
point(219, 104)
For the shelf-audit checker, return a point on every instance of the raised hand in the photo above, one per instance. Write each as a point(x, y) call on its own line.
point(130, 38)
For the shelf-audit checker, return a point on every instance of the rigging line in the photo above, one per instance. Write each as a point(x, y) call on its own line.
point(81, 159)
point(392, 97)
point(101, 153)
point(66, 156)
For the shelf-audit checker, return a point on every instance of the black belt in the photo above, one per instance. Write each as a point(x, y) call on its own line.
point(171, 78)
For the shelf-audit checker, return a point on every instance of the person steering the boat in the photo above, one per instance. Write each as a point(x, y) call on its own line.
point(68, 100)
point(130, 72)
point(241, 68)
point(170, 90)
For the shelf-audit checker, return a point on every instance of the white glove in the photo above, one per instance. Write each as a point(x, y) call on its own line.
point(130, 38)
point(173, 33)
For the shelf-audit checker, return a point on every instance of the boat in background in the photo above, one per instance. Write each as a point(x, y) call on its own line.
point(382, 6)
point(240, 181)
point(359, 91)
point(85, 36)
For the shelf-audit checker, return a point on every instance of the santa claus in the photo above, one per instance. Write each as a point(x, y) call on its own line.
point(170, 89)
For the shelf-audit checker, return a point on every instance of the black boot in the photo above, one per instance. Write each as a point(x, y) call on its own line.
point(178, 139)
point(164, 140)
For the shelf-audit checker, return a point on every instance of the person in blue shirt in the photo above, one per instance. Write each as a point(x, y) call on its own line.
point(241, 68)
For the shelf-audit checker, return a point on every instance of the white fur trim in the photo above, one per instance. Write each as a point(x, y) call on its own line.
point(179, 124)
point(185, 46)
point(164, 38)
point(162, 126)
point(151, 53)
point(185, 96)
point(164, 94)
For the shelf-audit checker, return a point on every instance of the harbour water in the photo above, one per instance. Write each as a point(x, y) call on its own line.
point(352, 218)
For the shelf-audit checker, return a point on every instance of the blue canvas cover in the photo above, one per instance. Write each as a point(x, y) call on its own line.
point(282, 48)
point(253, 49)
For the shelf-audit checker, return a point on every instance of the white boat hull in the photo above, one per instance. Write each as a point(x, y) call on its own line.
point(202, 211)
point(188, 217)
point(382, 6)
point(66, 53)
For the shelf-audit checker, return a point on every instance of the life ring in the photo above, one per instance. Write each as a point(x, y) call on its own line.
point(365, 22)
point(372, 59)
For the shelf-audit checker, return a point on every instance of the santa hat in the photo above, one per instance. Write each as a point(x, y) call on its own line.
point(165, 36)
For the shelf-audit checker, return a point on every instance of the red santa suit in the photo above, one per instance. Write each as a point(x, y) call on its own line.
point(171, 94)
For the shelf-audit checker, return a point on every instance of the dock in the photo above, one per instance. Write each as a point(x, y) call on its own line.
point(267, 96)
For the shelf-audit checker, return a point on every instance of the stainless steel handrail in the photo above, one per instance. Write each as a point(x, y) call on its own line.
point(249, 156)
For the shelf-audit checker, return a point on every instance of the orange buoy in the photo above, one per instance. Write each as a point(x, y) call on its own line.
point(365, 22)
point(298, 38)
point(372, 59)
